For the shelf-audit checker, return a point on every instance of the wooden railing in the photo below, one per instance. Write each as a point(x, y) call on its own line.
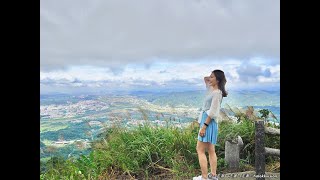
point(260, 150)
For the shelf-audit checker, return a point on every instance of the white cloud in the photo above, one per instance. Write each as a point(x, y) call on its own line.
point(183, 75)
point(274, 75)
point(112, 33)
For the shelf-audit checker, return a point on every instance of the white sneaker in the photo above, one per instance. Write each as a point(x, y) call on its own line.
point(211, 177)
point(198, 178)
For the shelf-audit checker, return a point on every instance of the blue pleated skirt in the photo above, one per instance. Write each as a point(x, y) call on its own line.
point(211, 134)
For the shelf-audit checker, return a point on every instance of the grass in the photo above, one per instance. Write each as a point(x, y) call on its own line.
point(149, 152)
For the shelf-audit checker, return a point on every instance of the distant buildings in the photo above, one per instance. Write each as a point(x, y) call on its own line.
point(62, 142)
point(97, 123)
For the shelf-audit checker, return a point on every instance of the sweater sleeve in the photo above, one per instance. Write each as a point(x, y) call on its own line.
point(214, 111)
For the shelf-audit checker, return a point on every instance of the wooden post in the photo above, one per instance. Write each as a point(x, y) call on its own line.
point(259, 150)
point(273, 131)
point(272, 152)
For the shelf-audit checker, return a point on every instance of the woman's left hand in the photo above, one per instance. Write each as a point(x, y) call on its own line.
point(202, 131)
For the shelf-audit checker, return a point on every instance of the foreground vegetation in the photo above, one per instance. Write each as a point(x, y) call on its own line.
point(149, 152)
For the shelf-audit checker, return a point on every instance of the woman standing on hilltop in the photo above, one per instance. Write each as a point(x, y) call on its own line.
point(208, 120)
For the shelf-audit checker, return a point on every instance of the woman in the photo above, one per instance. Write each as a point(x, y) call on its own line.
point(208, 119)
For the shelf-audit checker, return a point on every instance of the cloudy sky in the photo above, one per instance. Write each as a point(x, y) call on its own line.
point(101, 45)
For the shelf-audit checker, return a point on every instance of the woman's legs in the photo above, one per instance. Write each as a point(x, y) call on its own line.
point(212, 158)
point(201, 147)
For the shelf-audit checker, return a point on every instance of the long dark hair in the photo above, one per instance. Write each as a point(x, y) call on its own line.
point(222, 81)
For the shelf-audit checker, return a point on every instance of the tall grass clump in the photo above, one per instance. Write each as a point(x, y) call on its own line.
point(144, 152)
point(149, 151)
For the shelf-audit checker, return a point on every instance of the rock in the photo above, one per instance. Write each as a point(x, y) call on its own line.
point(232, 152)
